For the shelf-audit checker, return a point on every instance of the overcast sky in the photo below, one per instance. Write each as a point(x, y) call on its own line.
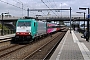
point(36, 4)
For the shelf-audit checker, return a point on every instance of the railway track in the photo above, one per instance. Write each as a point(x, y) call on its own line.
point(44, 51)
point(3, 44)
point(4, 52)
point(24, 52)
point(10, 49)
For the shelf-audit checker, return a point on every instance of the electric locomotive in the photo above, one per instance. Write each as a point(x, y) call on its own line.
point(28, 29)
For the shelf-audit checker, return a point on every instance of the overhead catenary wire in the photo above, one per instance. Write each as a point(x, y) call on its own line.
point(54, 3)
point(15, 6)
point(44, 13)
point(47, 6)
point(22, 6)
point(55, 6)
point(38, 11)
point(16, 1)
point(29, 6)
point(12, 5)
point(35, 13)
point(19, 1)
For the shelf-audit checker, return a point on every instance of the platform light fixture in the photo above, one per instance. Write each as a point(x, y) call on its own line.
point(87, 39)
point(84, 18)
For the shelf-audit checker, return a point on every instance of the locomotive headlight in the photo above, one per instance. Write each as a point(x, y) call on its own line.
point(17, 33)
point(29, 33)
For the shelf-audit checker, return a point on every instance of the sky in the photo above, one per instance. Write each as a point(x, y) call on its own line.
point(11, 6)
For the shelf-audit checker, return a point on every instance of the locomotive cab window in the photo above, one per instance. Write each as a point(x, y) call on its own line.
point(24, 23)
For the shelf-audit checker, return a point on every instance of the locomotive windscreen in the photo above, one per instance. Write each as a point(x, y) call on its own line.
point(24, 23)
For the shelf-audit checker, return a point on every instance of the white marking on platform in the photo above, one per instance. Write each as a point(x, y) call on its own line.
point(58, 56)
point(75, 39)
point(84, 50)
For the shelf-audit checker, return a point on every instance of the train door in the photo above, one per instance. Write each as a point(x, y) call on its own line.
point(34, 29)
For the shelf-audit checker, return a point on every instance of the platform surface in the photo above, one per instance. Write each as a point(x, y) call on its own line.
point(72, 47)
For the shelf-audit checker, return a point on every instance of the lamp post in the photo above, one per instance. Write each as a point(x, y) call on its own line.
point(84, 18)
point(87, 39)
point(70, 19)
point(2, 23)
point(28, 12)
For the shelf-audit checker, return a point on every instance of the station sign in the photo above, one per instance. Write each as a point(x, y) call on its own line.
point(88, 16)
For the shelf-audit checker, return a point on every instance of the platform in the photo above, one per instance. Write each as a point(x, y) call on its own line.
point(6, 36)
point(72, 47)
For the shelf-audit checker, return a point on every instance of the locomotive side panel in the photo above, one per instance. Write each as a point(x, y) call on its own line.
point(41, 28)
